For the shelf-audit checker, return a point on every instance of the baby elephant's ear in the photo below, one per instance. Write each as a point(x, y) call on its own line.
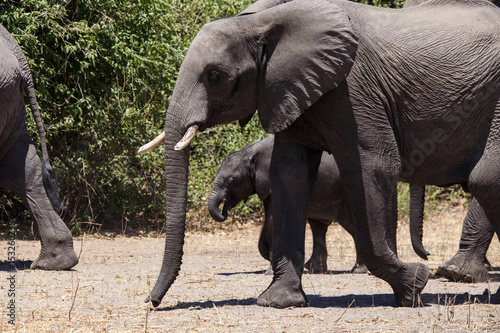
point(307, 49)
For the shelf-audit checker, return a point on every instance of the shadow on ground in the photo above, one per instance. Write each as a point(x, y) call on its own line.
point(8, 266)
point(384, 300)
point(348, 301)
point(209, 304)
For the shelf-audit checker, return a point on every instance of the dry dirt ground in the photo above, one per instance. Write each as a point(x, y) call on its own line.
point(221, 276)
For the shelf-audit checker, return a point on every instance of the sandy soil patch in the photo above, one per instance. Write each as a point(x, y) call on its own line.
point(221, 276)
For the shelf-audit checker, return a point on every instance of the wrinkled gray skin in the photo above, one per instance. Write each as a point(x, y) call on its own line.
point(246, 172)
point(469, 264)
point(21, 170)
point(394, 94)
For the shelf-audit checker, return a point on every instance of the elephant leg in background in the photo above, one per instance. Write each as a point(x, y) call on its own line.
point(265, 239)
point(293, 170)
point(318, 261)
point(469, 264)
point(348, 224)
point(21, 172)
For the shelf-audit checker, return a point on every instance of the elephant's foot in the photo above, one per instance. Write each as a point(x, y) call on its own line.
point(281, 294)
point(315, 266)
point(359, 269)
point(286, 289)
point(464, 268)
point(410, 284)
point(57, 258)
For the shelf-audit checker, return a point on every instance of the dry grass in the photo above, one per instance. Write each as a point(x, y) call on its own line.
point(220, 279)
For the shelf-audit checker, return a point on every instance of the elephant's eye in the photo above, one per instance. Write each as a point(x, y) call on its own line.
point(213, 77)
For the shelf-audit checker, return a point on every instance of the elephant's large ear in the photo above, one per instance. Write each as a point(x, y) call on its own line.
point(307, 49)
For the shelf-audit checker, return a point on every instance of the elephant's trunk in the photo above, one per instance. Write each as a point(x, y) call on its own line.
point(216, 198)
point(417, 199)
point(177, 163)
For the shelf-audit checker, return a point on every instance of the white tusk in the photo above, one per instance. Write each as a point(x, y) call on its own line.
point(187, 138)
point(159, 140)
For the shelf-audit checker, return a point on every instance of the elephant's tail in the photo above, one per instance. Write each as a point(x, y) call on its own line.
point(49, 175)
point(417, 199)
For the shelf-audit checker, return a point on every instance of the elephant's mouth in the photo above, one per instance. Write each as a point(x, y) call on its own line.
point(228, 204)
point(225, 210)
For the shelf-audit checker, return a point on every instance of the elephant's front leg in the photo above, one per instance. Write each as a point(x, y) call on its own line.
point(293, 171)
point(266, 235)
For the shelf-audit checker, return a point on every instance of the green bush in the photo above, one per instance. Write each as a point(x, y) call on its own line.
point(383, 3)
point(103, 73)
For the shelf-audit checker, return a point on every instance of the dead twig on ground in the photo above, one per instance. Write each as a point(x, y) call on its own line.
point(343, 313)
point(74, 298)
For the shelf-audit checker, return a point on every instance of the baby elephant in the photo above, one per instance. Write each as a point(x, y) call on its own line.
point(246, 172)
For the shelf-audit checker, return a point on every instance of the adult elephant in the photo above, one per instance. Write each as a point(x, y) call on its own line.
point(21, 170)
point(410, 94)
point(246, 172)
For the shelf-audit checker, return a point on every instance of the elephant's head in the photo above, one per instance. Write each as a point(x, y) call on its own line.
point(233, 183)
point(240, 175)
point(279, 61)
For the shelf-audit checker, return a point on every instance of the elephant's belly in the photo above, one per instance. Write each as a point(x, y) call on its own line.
point(325, 209)
point(445, 151)
point(440, 168)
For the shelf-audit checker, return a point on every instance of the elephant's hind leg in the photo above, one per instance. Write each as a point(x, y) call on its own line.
point(469, 264)
point(21, 172)
point(484, 183)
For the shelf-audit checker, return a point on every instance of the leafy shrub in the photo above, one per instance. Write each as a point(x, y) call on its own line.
point(383, 3)
point(103, 72)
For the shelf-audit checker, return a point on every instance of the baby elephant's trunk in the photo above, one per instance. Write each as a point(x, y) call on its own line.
point(215, 200)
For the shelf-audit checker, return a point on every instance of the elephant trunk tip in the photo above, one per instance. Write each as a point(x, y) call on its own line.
point(218, 216)
point(214, 202)
point(155, 303)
